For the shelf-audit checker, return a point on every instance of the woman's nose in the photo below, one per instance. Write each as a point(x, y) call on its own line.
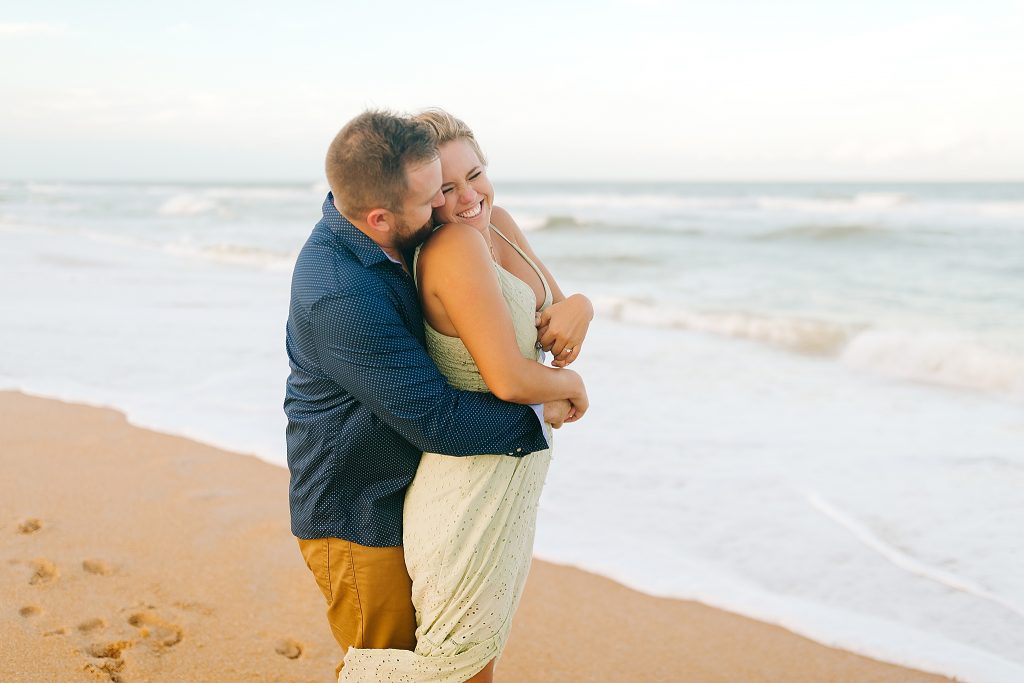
point(467, 194)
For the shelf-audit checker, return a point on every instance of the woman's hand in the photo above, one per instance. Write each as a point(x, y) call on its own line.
point(573, 406)
point(580, 404)
point(562, 327)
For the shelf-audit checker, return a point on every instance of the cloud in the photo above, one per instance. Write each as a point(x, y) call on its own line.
point(31, 28)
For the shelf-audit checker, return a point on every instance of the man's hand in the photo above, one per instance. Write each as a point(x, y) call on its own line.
point(557, 412)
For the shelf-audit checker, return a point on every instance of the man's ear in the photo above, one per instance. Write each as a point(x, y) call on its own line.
point(380, 219)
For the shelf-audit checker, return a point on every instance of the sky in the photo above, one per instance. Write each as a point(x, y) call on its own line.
point(617, 90)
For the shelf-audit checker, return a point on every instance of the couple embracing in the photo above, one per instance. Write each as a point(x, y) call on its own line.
point(419, 406)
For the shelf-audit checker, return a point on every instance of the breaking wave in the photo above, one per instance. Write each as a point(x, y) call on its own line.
point(823, 232)
point(937, 358)
point(806, 336)
point(187, 205)
point(237, 254)
point(940, 358)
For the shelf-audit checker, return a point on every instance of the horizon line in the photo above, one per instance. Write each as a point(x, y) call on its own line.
point(535, 181)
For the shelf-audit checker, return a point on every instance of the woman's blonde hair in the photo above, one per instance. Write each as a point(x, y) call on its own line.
point(447, 128)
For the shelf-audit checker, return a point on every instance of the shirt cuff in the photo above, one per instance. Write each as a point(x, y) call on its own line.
point(538, 408)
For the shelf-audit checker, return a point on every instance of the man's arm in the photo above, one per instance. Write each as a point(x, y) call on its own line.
point(364, 346)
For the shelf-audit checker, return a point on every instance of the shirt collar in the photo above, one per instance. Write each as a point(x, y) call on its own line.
point(366, 250)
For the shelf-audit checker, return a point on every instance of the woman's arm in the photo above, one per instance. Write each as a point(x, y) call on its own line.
point(564, 324)
point(456, 271)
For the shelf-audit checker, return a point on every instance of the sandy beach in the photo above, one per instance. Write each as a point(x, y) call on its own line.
point(130, 555)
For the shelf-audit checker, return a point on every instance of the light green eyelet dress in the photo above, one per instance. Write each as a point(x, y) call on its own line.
point(468, 530)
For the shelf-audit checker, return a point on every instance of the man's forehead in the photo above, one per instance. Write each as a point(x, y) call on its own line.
point(425, 170)
point(425, 177)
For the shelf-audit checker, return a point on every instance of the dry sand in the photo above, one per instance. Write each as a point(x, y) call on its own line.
point(136, 556)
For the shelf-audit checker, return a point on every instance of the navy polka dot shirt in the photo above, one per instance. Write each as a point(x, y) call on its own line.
point(364, 399)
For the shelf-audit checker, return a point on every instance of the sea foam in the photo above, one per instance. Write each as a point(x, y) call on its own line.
point(811, 429)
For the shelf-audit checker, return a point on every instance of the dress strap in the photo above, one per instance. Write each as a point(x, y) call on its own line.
point(415, 273)
point(543, 280)
point(515, 246)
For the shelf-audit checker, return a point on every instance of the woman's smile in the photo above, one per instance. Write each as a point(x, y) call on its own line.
point(473, 211)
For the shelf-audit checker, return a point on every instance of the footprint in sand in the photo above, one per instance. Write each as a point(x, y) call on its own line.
point(109, 663)
point(44, 571)
point(106, 669)
point(97, 567)
point(29, 526)
point(288, 647)
point(30, 611)
point(162, 633)
point(198, 607)
point(56, 632)
point(90, 625)
point(111, 650)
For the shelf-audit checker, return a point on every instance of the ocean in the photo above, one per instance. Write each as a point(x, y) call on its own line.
point(807, 398)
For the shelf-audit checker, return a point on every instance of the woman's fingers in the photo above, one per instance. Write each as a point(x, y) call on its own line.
point(546, 337)
point(570, 353)
point(579, 408)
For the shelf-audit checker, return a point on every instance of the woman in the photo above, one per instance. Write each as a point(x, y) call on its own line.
point(469, 521)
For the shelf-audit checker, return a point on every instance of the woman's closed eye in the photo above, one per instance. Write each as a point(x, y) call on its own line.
point(473, 176)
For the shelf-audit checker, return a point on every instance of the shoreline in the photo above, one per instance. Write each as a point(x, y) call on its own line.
point(131, 554)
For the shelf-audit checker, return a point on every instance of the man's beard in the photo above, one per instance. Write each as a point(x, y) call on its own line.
point(407, 238)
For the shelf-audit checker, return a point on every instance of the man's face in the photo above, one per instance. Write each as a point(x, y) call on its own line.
point(414, 224)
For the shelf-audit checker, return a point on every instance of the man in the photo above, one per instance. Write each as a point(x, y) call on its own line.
point(363, 398)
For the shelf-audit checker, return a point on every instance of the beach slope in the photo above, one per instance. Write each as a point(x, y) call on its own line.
point(130, 555)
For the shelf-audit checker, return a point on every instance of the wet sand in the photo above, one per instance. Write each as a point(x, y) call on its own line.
point(131, 555)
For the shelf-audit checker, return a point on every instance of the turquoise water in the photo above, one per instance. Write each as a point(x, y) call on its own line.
point(807, 399)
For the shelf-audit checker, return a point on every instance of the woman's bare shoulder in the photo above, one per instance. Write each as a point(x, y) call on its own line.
point(503, 221)
point(454, 246)
point(451, 236)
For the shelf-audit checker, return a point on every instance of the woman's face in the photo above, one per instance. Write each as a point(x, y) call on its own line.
point(468, 194)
